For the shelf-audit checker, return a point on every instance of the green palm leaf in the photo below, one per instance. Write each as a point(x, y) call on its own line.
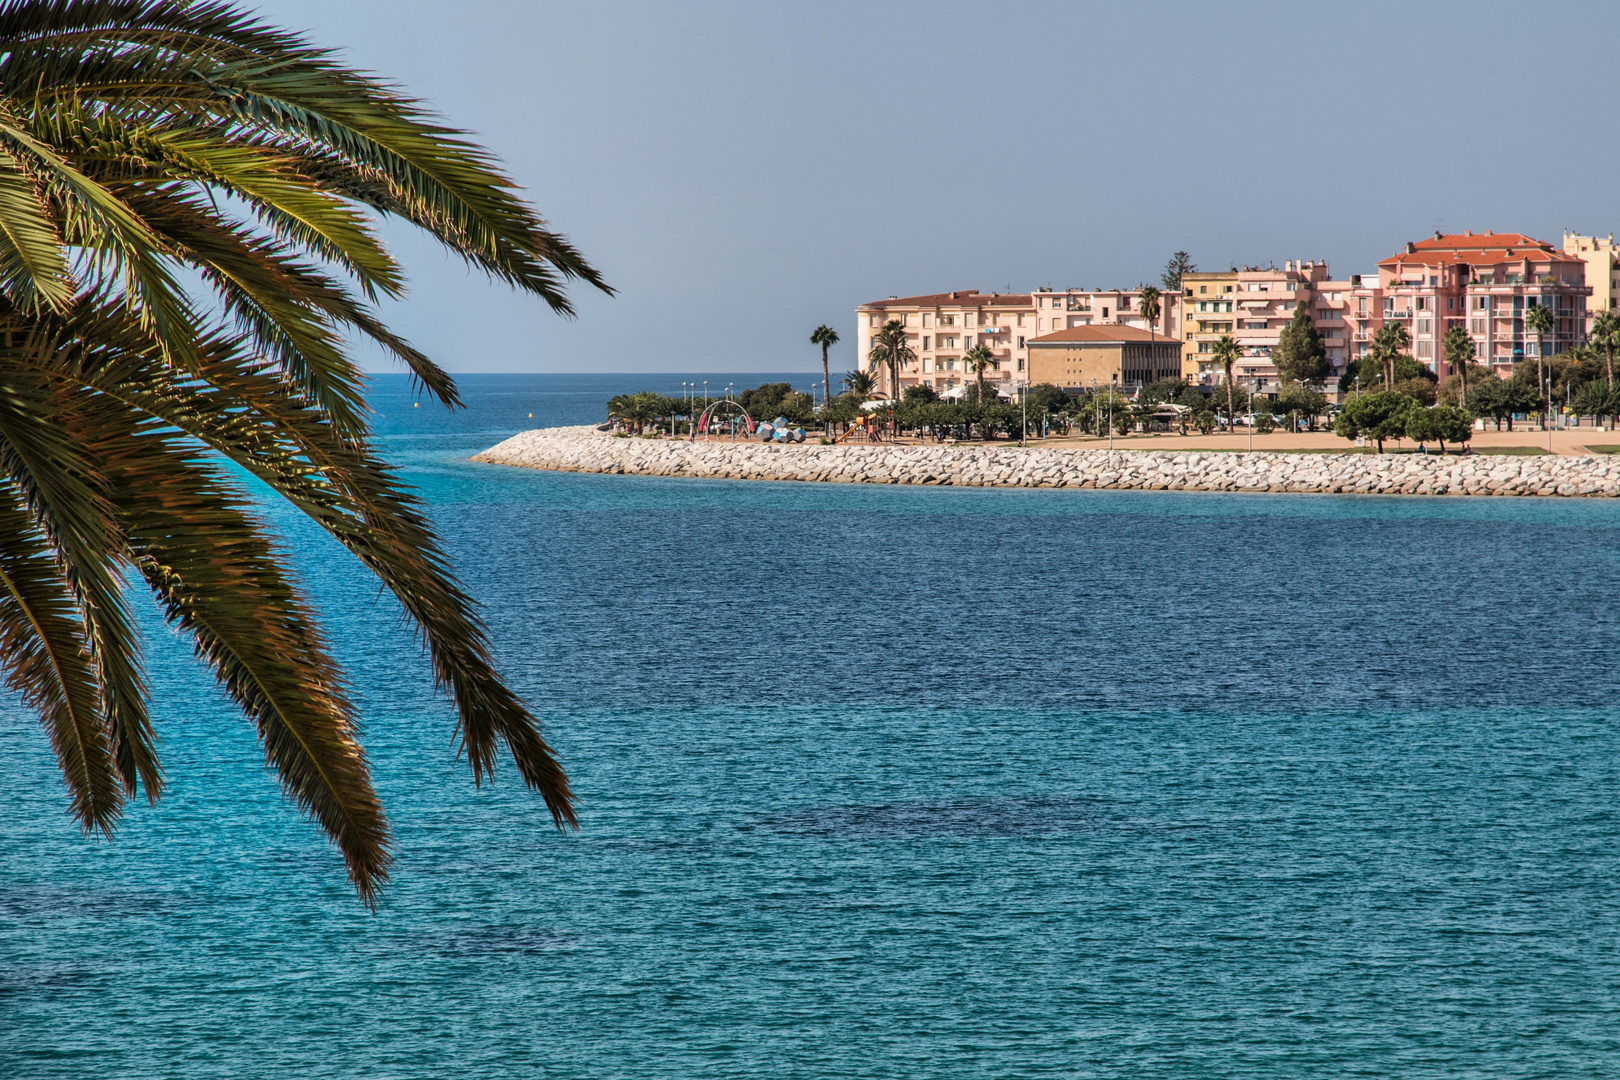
point(144, 144)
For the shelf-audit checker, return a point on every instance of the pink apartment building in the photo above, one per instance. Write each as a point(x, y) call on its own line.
point(1484, 282)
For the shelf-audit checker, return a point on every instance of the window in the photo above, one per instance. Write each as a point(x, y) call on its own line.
point(1477, 326)
point(1433, 281)
point(1020, 345)
point(1451, 303)
point(1423, 303)
point(926, 339)
point(1105, 313)
point(1425, 348)
point(1482, 302)
point(1227, 288)
point(1425, 326)
point(1202, 289)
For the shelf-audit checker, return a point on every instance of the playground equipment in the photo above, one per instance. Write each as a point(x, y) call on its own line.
point(724, 416)
point(780, 431)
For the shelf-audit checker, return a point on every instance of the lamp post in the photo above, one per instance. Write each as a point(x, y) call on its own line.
point(1251, 415)
point(1113, 381)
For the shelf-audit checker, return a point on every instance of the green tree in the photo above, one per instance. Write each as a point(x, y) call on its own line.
point(919, 395)
point(1376, 416)
point(1440, 424)
point(826, 337)
point(1417, 388)
point(892, 349)
point(1389, 346)
point(860, 384)
point(1539, 321)
point(1226, 352)
point(1606, 336)
point(1459, 350)
point(1148, 306)
point(188, 254)
point(977, 360)
point(1302, 400)
point(1180, 263)
point(1596, 400)
point(1490, 397)
point(1299, 354)
point(638, 409)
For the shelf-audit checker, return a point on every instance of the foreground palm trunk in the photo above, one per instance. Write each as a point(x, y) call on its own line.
point(147, 144)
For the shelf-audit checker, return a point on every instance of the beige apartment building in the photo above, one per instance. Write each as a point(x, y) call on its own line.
point(1253, 304)
point(942, 327)
point(1602, 271)
point(1087, 356)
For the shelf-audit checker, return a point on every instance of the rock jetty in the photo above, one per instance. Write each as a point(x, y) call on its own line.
point(584, 449)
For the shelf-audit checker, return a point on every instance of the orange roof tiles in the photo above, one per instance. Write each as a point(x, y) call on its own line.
point(1477, 249)
point(1099, 333)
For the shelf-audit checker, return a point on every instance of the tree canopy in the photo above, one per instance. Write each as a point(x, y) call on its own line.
point(1180, 263)
point(1377, 416)
point(1299, 354)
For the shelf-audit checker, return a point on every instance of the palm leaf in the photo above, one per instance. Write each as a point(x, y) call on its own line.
point(47, 660)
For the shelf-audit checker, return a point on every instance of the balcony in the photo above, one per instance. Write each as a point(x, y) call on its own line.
point(1390, 313)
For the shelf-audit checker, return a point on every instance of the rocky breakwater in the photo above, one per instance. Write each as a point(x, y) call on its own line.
point(587, 450)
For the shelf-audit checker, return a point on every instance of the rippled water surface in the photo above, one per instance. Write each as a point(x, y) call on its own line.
point(885, 782)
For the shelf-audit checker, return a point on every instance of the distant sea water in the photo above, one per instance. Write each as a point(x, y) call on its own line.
point(884, 782)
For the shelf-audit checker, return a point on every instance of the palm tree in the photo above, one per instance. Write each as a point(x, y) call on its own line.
point(826, 337)
point(1226, 352)
point(1606, 336)
point(1388, 346)
point(186, 246)
point(1459, 350)
point(1539, 321)
point(890, 348)
point(976, 360)
point(1148, 306)
point(860, 384)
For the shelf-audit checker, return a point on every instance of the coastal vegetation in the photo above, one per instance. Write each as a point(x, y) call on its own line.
point(188, 250)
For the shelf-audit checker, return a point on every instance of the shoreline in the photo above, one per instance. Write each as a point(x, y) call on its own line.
point(584, 449)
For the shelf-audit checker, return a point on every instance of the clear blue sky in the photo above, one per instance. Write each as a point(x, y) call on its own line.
point(744, 172)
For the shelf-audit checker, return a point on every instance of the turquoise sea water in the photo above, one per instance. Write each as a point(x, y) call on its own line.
point(886, 782)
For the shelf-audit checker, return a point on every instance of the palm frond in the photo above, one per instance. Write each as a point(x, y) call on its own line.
point(47, 660)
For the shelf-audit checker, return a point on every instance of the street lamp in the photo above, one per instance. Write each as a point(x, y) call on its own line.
point(1113, 381)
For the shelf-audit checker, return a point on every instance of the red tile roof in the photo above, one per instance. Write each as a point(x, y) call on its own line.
point(1477, 249)
point(1100, 333)
point(964, 298)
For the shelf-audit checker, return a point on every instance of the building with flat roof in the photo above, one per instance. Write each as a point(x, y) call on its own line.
point(1082, 357)
point(1253, 304)
point(941, 327)
point(1602, 271)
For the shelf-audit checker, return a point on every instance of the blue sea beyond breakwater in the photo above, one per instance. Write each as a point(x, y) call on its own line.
point(884, 782)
